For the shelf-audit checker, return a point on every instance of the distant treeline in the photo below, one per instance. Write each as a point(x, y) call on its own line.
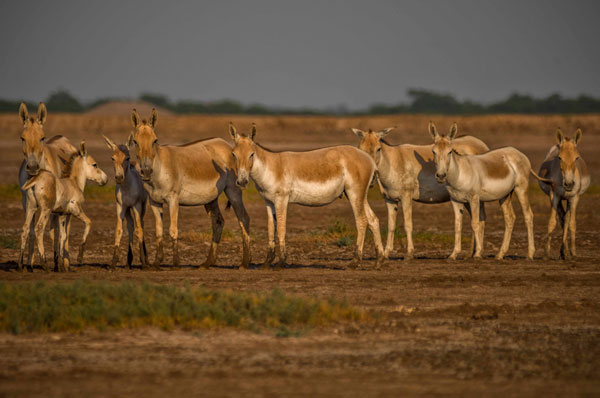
point(421, 101)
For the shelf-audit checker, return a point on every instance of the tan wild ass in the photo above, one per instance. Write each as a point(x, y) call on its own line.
point(192, 174)
point(60, 196)
point(41, 154)
point(406, 173)
point(488, 177)
point(569, 177)
point(311, 178)
point(131, 200)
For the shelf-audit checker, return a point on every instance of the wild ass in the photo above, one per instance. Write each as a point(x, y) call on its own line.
point(488, 177)
point(41, 154)
point(569, 179)
point(192, 174)
point(406, 173)
point(62, 196)
point(131, 199)
point(311, 178)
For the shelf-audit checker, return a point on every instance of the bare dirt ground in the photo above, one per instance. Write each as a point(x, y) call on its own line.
point(508, 328)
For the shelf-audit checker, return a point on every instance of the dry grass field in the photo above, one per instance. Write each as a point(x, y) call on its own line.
point(485, 328)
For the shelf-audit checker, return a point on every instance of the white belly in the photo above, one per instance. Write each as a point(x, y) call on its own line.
point(496, 189)
point(316, 193)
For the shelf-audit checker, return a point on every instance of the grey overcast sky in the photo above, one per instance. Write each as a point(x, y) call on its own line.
point(299, 53)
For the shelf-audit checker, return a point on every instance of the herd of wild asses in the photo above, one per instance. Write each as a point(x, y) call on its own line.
point(460, 170)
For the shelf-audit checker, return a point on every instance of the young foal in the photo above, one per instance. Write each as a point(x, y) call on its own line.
point(62, 196)
point(569, 179)
point(488, 177)
point(41, 154)
point(406, 174)
point(131, 199)
point(311, 178)
point(190, 175)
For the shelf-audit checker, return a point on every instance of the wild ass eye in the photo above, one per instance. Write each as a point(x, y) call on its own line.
point(233, 154)
point(155, 141)
point(95, 165)
point(22, 139)
point(42, 139)
point(252, 155)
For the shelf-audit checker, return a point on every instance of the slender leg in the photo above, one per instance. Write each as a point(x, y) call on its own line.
point(482, 217)
point(118, 235)
point(28, 226)
point(39, 234)
point(234, 194)
point(565, 250)
point(573, 223)
point(357, 202)
point(173, 232)
point(271, 228)
point(55, 222)
point(77, 211)
point(554, 204)
point(392, 211)
point(408, 225)
point(217, 222)
point(157, 211)
point(373, 222)
point(509, 222)
point(281, 204)
point(474, 204)
point(139, 231)
point(458, 213)
point(130, 229)
point(521, 192)
point(63, 263)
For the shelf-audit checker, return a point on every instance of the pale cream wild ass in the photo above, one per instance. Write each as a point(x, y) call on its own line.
point(189, 175)
point(131, 200)
point(488, 177)
point(311, 178)
point(41, 154)
point(569, 179)
point(62, 196)
point(406, 173)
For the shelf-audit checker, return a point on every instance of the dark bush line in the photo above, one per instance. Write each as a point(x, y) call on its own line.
point(421, 102)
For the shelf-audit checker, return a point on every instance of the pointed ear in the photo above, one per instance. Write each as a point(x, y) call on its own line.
point(233, 132)
point(23, 114)
point(109, 143)
point(384, 132)
point(433, 131)
point(577, 136)
point(153, 118)
point(559, 137)
point(253, 131)
point(82, 150)
point(359, 133)
point(42, 113)
point(453, 131)
point(130, 140)
point(135, 119)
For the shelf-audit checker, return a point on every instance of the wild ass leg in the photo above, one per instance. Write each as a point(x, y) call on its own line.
point(217, 222)
point(271, 227)
point(565, 250)
point(509, 222)
point(392, 211)
point(78, 212)
point(28, 226)
point(482, 217)
point(360, 218)
point(573, 224)
point(521, 192)
point(139, 231)
point(458, 213)
point(157, 211)
point(55, 221)
point(143, 208)
point(281, 204)
point(374, 227)
point(40, 227)
point(130, 229)
point(474, 204)
point(234, 194)
point(173, 232)
point(554, 204)
point(408, 226)
point(118, 235)
point(63, 262)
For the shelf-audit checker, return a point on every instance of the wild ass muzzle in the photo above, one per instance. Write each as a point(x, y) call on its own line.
point(311, 178)
point(568, 180)
point(192, 174)
point(406, 173)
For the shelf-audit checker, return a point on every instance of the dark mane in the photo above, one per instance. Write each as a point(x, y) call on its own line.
point(197, 141)
point(55, 138)
point(304, 150)
point(68, 168)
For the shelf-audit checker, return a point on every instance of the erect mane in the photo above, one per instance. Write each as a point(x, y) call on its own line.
point(55, 138)
point(68, 168)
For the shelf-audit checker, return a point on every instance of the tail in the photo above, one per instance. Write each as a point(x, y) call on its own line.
point(542, 179)
point(30, 183)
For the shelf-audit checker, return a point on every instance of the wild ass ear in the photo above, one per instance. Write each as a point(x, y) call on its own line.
point(135, 119)
point(23, 112)
point(384, 132)
point(109, 143)
point(559, 137)
point(453, 131)
point(577, 136)
point(233, 132)
point(82, 150)
point(130, 140)
point(153, 118)
point(253, 131)
point(42, 113)
point(433, 131)
point(359, 133)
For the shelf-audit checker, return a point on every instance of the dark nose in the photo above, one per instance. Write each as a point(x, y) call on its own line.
point(242, 182)
point(440, 176)
point(568, 185)
point(146, 172)
point(33, 168)
point(119, 179)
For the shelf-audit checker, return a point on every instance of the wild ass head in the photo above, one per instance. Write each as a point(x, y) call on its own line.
point(81, 167)
point(568, 155)
point(145, 141)
point(442, 150)
point(243, 154)
point(370, 142)
point(33, 137)
point(120, 159)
